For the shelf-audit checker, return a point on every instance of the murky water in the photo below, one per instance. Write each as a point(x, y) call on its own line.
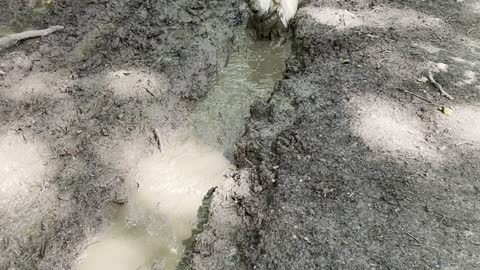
point(167, 188)
point(164, 192)
point(251, 73)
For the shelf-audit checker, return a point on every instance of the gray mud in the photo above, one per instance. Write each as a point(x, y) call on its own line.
point(75, 101)
point(341, 169)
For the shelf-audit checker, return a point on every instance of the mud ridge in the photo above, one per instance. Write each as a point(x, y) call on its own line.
point(343, 170)
point(80, 99)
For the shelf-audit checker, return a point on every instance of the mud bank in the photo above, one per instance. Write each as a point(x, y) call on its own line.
point(340, 168)
point(84, 106)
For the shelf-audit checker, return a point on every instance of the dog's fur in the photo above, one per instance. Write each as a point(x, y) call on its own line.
point(270, 17)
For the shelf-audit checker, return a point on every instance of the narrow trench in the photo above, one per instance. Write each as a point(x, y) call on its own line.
point(147, 233)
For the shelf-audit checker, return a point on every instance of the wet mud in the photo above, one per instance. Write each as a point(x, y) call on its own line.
point(88, 106)
point(341, 167)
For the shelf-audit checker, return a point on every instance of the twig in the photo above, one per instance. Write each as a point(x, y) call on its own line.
point(439, 86)
point(91, 244)
point(148, 91)
point(334, 27)
point(158, 60)
point(349, 13)
point(464, 143)
point(420, 97)
point(378, 63)
point(43, 248)
point(10, 40)
point(158, 139)
point(251, 164)
point(451, 16)
point(413, 237)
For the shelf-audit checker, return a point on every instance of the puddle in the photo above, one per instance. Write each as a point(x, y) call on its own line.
point(129, 244)
point(166, 189)
point(164, 193)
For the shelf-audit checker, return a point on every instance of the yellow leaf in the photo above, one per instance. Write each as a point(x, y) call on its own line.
point(446, 111)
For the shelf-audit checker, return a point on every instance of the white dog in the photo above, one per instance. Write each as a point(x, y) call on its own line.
point(271, 15)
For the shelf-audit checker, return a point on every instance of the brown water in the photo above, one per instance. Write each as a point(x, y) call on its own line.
point(167, 188)
point(164, 192)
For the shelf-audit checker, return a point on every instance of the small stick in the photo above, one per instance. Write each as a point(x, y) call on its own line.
point(158, 139)
point(378, 63)
point(451, 16)
point(464, 143)
point(148, 91)
point(418, 96)
point(251, 164)
point(439, 86)
point(43, 248)
point(349, 13)
point(93, 243)
point(413, 237)
point(158, 60)
point(333, 28)
point(10, 40)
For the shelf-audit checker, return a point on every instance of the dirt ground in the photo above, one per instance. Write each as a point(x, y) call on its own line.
point(343, 169)
point(339, 168)
point(77, 110)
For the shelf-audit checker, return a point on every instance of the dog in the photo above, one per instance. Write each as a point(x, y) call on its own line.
point(270, 18)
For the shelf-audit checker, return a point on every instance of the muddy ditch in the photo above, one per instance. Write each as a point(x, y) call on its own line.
point(105, 123)
point(120, 151)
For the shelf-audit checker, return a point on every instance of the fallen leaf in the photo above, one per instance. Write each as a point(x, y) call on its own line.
point(446, 111)
point(422, 79)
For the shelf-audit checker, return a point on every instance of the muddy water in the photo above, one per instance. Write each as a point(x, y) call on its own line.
point(166, 189)
point(251, 73)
